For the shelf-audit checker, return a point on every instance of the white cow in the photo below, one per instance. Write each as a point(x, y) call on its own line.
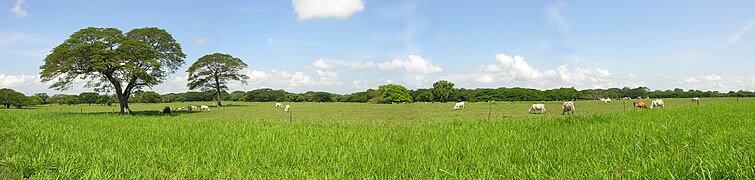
point(204, 108)
point(626, 98)
point(278, 105)
point(459, 106)
point(191, 108)
point(288, 108)
point(568, 107)
point(656, 103)
point(696, 100)
point(605, 100)
point(537, 107)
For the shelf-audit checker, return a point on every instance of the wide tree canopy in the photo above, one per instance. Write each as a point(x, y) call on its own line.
point(111, 60)
point(213, 71)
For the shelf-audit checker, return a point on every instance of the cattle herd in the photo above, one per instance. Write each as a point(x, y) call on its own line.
point(566, 108)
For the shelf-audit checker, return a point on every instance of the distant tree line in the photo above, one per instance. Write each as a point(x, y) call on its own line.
point(442, 91)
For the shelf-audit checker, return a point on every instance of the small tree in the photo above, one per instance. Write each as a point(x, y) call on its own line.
point(213, 71)
point(149, 97)
point(442, 91)
point(395, 93)
point(42, 96)
point(88, 98)
point(34, 100)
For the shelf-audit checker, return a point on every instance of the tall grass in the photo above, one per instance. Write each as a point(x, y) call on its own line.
point(707, 141)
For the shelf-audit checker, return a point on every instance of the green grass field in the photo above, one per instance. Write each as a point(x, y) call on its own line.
point(354, 140)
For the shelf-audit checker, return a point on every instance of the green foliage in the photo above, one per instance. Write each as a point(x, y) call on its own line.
point(213, 71)
point(149, 97)
point(34, 100)
point(394, 93)
point(442, 91)
point(166, 109)
point(42, 96)
point(88, 98)
point(110, 59)
point(72, 100)
point(9, 97)
point(422, 95)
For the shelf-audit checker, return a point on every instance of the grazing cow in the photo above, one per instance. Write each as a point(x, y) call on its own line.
point(605, 100)
point(204, 108)
point(287, 109)
point(625, 98)
point(191, 108)
point(278, 105)
point(537, 107)
point(568, 107)
point(639, 104)
point(459, 106)
point(656, 103)
point(696, 100)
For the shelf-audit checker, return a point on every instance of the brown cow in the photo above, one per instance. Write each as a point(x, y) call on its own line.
point(640, 104)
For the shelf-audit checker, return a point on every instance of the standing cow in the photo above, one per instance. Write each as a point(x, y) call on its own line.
point(568, 107)
point(537, 107)
point(639, 104)
point(656, 103)
point(459, 106)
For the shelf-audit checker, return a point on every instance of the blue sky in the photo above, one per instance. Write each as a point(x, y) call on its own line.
point(345, 46)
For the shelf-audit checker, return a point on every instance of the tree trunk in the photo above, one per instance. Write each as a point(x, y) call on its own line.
point(217, 90)
point(123, 101)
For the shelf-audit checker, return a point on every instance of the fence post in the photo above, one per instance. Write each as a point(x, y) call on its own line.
point(290, 116)
point(490, 110)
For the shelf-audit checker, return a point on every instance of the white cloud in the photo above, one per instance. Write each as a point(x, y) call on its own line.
point(515, 71)
point(415, 64)
point(711, 77)
point(15, 81)
point(341, 9)
point(18, 11)
point(321, 64)
point(299, 79)
point(514, 67)
point(360, 84)
point(739, 35)
point(362, 65)
point(328, 77)
point(201, 41)
point(391, 65)
point(484, 79)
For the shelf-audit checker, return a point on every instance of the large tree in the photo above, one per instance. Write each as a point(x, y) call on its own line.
point(111, 60)
point(9, 97)
point(213, 71)
point(442, 91)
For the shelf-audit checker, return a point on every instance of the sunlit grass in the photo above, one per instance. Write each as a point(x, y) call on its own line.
point(345, 140)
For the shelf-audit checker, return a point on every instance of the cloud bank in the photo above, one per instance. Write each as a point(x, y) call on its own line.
point(340, 9)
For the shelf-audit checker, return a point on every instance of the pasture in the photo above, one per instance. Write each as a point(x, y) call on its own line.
point(379, 141)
